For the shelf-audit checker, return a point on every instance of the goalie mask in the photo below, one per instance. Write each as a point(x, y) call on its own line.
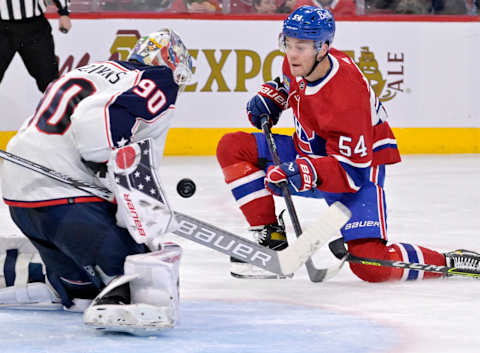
point(164, 48)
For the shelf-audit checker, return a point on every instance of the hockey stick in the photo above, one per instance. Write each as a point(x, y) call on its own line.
point(315, 274)
point(90, 188)
point(338, 248)
point(282, 262)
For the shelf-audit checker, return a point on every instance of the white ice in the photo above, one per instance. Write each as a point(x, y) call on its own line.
point(432, 201)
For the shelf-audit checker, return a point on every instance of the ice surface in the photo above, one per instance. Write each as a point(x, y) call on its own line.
point(432, 201)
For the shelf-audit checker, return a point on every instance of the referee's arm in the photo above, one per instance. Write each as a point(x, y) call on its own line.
point(12, 10)
point(64, 23)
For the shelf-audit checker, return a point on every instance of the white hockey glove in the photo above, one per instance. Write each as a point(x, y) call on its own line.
point(142, 205)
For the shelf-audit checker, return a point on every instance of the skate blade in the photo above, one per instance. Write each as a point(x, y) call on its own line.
point(249, 271)
point(251, 276)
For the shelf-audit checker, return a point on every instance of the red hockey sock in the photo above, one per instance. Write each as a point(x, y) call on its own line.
point(376, 249)
point(237, 155)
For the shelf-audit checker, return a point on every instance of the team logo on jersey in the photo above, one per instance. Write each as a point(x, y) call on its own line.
point(305, 137)
point(386, 88)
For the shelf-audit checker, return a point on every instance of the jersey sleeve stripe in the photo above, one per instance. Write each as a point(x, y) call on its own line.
point(384, 143)
point(349, 162)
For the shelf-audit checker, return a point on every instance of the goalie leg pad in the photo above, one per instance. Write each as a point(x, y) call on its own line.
point(145, 299)
point(20, 262)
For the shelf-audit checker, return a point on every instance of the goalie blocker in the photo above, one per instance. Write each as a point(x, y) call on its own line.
point(142, 205)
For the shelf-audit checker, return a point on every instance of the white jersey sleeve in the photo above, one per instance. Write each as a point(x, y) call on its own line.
point(82, 117)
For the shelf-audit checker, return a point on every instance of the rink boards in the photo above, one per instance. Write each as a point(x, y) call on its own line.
point(425, 72)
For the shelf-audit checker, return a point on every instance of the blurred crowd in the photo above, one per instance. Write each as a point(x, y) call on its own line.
point(338, 7)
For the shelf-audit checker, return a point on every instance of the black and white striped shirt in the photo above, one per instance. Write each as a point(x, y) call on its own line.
point(22, 9)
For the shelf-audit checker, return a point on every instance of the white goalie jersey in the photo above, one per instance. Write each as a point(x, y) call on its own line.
point(82, 117)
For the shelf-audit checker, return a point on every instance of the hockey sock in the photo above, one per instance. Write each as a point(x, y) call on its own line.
point(376, 249)
point(237, 155)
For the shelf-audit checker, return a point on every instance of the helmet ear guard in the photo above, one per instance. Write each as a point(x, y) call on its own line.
point(164, 48)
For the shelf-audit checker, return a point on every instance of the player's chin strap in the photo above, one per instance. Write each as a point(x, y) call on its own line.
point(317, 62)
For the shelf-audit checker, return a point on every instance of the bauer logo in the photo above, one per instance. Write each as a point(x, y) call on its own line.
point(361, 224)
point(389, 81)
point(211, 238)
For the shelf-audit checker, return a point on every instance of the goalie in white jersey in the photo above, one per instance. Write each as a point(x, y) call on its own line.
point(84, 119)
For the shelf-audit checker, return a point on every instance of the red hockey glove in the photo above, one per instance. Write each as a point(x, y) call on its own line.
point(300, 175)
point(270, 101)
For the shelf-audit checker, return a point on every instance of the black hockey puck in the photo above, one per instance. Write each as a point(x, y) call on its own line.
point(186, 188)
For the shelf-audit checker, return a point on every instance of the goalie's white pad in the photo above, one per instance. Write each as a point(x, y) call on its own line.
point(16, 255)
point(142, 205)
point(38, 296)
point(154, 298)
point(25, 253)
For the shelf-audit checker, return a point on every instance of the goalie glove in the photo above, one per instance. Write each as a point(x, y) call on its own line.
point(300, 175)
point(142, 205)
point(270, 101)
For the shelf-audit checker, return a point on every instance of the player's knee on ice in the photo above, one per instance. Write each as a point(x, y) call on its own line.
point(404, 252)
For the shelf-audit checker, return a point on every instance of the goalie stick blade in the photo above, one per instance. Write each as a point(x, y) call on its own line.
point(282, 262)
point(314, 237)
point(227, 243)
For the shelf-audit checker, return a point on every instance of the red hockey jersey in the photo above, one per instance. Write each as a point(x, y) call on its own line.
point(340, 125)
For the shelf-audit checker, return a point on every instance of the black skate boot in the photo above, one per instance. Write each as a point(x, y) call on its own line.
point(272, 236)
point(463, 261)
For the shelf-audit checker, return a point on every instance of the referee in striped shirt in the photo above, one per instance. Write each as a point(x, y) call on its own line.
point(24, 29)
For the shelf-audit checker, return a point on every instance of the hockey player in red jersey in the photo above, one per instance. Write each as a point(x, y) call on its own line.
point(339, 152)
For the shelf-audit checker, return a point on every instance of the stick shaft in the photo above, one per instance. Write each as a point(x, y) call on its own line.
point(315, 275)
